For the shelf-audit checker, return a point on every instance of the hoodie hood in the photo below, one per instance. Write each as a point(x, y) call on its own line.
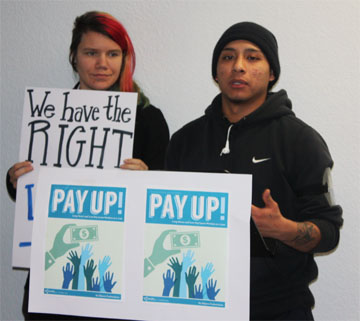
point(276, 105)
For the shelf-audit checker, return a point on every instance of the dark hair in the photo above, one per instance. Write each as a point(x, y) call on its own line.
point(107, 25)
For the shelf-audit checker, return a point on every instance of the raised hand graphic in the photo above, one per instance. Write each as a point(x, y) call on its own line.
point(169, 281)
point(103, 266)
point(75, 260)
point(210, 289)
point(177, 267)
point(188, 260)
point(191, 277)
point(85, 255)
point(68, 273)
point(159, 253)
point(95, 286)
point(108, 284)
point(198, 292)
point(89, 272)
point(205, 275)
point(59, 247)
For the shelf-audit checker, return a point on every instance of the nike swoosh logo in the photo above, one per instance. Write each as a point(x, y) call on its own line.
point(256, 161)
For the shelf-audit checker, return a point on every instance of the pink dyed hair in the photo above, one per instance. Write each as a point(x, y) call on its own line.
point(107, 25)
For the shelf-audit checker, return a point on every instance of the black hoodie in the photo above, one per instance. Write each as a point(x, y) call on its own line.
point(291, 159)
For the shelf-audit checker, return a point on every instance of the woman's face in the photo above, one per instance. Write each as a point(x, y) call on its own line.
point(98, 61)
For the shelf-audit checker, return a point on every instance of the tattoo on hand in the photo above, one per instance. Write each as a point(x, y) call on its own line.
point(306, 233)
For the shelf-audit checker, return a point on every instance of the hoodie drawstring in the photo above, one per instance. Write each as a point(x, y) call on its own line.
point(226, 149)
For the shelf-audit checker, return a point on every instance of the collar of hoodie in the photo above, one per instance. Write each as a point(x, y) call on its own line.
point(275, 106)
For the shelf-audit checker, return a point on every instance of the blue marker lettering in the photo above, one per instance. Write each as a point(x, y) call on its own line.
point(30, 202)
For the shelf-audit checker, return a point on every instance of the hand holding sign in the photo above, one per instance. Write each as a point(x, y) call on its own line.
point(134, 164)
point(18, 170)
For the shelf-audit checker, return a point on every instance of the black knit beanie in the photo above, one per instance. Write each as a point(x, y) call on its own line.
point(258, 35)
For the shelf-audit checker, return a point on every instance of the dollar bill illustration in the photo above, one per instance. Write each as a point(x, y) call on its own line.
point(185, 240)
point(84, 233)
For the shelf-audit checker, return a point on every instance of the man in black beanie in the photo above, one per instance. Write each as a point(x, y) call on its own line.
point(249, 129)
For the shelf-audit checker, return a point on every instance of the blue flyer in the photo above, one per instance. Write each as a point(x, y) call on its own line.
point(81, 257)
point(186, 247)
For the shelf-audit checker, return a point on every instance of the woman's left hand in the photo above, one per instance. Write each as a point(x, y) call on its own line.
point(134, 164)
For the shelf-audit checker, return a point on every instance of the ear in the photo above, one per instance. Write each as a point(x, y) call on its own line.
point(272, 76)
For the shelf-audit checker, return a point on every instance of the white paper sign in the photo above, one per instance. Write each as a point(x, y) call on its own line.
point(68, 128)
point(141, 245)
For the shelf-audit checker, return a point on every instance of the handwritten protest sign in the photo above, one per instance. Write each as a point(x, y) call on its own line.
point(176, 245)
point(68, 128)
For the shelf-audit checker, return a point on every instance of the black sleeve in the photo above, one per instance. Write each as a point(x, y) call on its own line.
point(312, 184)
point(151, 137)
point(11, 190)
point(172, 159)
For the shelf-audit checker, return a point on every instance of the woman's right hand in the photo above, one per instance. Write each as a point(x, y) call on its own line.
point(18, 170)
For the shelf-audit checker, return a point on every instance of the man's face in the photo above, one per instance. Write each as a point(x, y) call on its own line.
point(243, 73)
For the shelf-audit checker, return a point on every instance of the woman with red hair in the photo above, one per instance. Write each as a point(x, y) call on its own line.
point(102, 55)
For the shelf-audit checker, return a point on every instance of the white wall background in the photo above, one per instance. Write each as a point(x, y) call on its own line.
point(319, 53)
